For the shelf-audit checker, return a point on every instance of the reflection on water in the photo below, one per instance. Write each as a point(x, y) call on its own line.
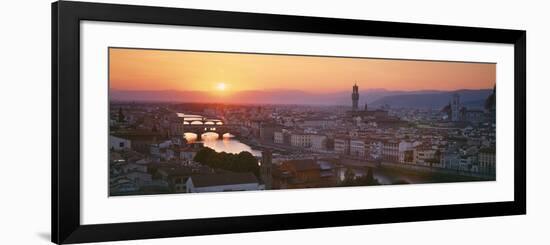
point(228, 144)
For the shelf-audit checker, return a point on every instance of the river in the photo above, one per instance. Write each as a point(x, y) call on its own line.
point(228, 144)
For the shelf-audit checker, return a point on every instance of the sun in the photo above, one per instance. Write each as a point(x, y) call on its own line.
point(221, 86)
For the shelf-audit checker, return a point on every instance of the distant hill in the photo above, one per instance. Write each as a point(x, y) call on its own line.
point(254, 96)
point(374, 97)
point(469, 98)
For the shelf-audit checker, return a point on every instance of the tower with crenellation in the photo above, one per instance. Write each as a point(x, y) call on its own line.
point(355, 98)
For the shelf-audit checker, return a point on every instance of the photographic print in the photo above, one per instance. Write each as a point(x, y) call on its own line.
point(346, 118)
point(183, 121)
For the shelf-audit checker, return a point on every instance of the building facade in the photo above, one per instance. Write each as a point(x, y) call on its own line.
point(487, 161)
point(390, 151)
point(358, 148)
point(300, 140)
point(342, 146)
point(118, 143)
point(318, 142)
point(278, 137)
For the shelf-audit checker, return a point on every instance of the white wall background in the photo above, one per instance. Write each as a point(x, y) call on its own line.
point(25, 121)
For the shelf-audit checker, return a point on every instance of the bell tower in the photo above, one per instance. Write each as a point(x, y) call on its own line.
point(355, 98)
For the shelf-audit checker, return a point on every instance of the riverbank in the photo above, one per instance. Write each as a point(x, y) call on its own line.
point(260, 146)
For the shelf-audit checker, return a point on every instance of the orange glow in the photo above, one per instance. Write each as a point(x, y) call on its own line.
point(139, 69)
point(220, 86)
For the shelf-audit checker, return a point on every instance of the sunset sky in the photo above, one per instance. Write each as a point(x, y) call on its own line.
point(140, 69)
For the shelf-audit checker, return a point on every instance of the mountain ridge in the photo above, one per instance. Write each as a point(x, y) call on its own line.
point(373, 97)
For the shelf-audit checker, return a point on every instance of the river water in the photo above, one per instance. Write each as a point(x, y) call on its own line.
point(228, 144)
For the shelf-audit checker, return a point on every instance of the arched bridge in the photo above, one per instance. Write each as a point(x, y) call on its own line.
point(199, 125)
point(193, 119)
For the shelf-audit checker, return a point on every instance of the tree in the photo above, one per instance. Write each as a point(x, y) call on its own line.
point(204, 155)
point(349, 175)
point(120, 115)
point(369, 177)
point(241, 163)
point(246, 162)
point(365, 180)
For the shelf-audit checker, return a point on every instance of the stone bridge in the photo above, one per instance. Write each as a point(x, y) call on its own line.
point(199, 125)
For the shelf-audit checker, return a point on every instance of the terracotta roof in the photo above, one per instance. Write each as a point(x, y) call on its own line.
point(223, 179)
point(176, 171)
point(302, 165)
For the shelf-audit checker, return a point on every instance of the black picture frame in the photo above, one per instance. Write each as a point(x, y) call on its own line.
point(66, 17)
